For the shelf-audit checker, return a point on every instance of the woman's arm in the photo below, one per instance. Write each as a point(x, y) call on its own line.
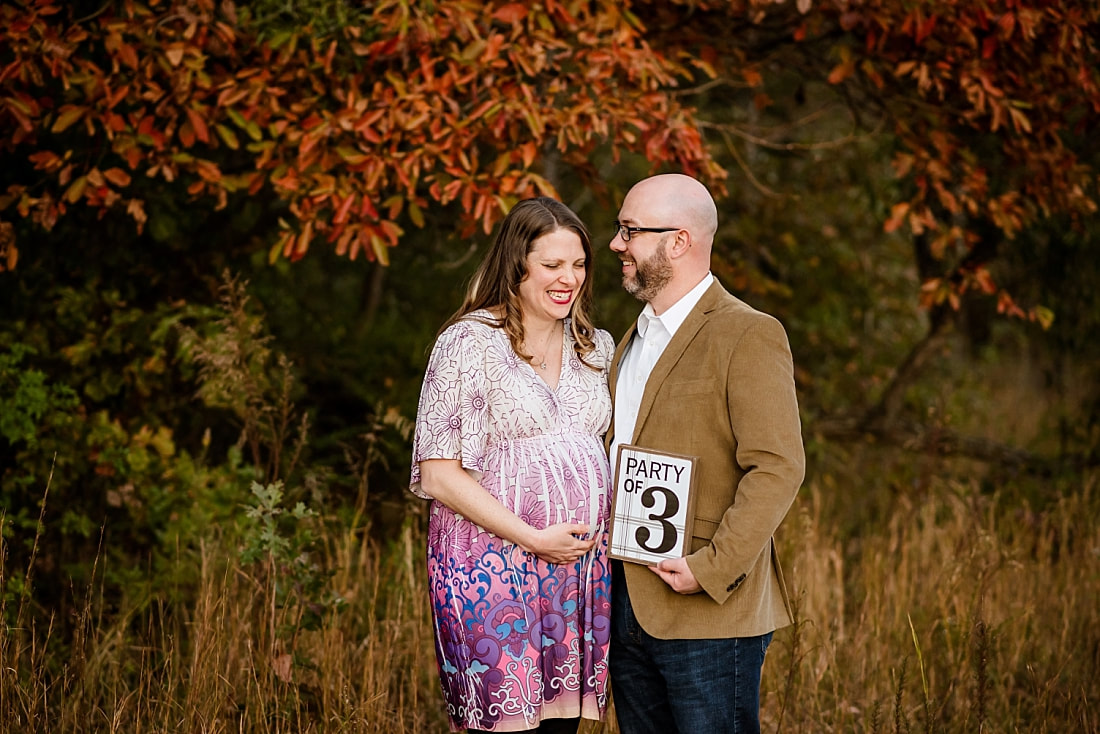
point(446, 481)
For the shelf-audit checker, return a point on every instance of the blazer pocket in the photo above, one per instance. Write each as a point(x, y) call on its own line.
point(702, 532)
point(703, 529)
point(687, 388)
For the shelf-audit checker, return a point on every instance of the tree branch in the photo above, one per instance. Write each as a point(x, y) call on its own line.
point(889, 405)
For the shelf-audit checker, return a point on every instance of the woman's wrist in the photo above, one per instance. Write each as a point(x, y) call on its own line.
point(527, 538)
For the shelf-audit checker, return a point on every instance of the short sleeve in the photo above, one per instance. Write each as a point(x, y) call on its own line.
point(452, 414)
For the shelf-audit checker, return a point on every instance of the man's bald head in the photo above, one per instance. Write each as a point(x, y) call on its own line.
point(673, 199)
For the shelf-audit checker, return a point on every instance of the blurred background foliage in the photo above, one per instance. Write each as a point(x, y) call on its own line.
point(94, 372)
point(149, 383)
point(101, 400)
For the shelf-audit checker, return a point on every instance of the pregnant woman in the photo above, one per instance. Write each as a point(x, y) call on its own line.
point(508, 447)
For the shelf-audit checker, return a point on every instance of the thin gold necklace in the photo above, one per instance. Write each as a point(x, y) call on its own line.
point(546, 347)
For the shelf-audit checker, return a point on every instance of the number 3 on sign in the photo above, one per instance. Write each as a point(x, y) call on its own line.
point(651, 508)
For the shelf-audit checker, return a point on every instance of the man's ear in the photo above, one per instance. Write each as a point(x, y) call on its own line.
point(681, 243)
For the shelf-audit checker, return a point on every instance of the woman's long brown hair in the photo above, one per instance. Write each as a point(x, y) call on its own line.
point(495, 285)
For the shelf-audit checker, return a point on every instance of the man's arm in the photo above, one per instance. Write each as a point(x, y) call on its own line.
point(763, 410)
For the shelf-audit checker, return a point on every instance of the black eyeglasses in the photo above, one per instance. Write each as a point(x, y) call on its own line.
point(626, 231)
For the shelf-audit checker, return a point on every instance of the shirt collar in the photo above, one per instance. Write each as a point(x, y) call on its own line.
point(676, 314)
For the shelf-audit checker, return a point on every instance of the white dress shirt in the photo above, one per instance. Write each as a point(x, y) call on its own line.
point(647, 346)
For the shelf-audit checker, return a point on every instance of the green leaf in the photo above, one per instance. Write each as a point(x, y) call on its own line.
point(228, 136)
point(415, 214)
point(251, 128)
point(67, 117)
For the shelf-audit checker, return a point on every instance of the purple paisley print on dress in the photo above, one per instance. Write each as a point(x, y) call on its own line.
point(517, 639)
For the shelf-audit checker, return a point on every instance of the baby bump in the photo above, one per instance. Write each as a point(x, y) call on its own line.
point(550, 483)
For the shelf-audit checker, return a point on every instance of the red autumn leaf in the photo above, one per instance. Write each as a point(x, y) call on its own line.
point(341, 214)
point(202, 132)
point(925, 28)
point(186, 134)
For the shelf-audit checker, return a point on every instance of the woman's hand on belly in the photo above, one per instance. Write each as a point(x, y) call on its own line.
point(564, 542)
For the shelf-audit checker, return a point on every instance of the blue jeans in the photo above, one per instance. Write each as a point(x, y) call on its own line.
point(687, 686)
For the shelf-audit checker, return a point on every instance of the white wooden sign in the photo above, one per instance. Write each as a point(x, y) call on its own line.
point(651, 508)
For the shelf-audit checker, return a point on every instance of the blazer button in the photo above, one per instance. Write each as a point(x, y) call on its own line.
point(736, 583)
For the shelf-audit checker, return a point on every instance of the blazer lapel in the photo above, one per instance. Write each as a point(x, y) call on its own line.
point(613, 377)
point(620, 352)
point(674, 351)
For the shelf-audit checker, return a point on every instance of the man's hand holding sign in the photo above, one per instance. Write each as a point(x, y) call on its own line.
point(651, 513)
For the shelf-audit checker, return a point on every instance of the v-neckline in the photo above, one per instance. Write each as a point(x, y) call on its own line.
point(561, 369)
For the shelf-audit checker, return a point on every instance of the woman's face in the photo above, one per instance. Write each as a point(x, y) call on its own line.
point(555, 272)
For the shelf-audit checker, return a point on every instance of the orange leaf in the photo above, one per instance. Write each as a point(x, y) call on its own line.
point(342, 213)
point(345, 240)
point(117, 176)
point(529, 152)
point(202, 132)
point(128, 55)
point(115, 122)
point(302, 245)
point(133, 156)
point(45, 160)
point(117, 96)
point(985, 281)
point(393, 234)
point(841, 72)
point(24, 122)
point(511, 13)
point(187, 134)
point(897, 214)
point(12, 256)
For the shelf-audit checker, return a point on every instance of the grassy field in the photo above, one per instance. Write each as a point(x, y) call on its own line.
point(938, 609)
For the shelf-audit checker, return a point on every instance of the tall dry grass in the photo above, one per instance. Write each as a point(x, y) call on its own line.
point(232, 661)
point(953, 611)
point(960, 612)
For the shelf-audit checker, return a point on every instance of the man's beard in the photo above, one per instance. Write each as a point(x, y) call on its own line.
point(650, 276)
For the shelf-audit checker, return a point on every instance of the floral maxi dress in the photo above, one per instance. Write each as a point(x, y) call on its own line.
point(517, 639)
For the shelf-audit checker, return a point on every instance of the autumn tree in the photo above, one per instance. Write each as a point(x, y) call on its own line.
point(357, 131)
point(984, 108)
point(146, 145)
point(407, 105)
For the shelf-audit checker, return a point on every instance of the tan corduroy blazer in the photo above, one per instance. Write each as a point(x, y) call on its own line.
point(723, 390)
